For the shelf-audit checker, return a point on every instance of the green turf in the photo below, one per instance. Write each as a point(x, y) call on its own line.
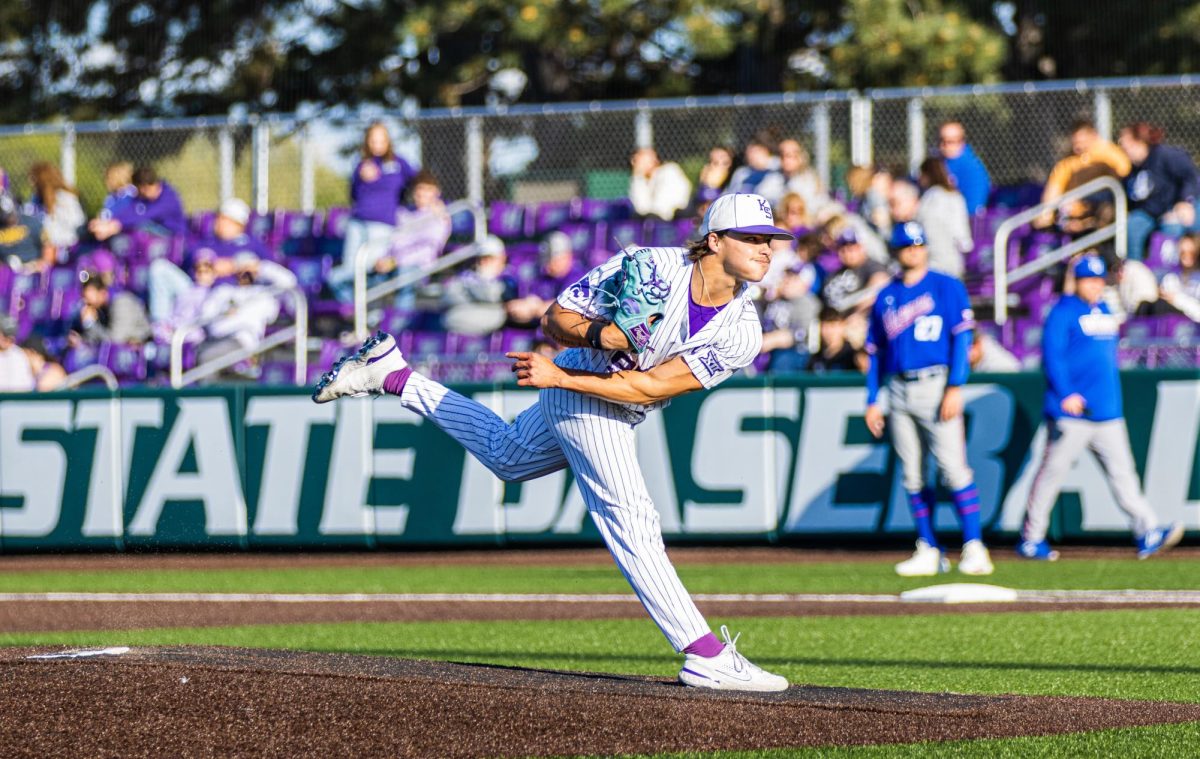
point(835, 577)
point(1118, 654)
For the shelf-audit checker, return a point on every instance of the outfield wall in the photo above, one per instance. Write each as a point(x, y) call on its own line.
point(756, 459)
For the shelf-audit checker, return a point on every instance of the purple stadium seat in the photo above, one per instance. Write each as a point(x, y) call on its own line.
point(506, 220)
point(1162, 253)
point(659, 233)
point(396, 320)
point(522, 254)
point(6, 283)
point(595, 209)
point(516, 340)
point(336, 220)
point(277, 373)
point(261, 226)
point(462, 225)
point(310, 272)
point(201, 223)
point(1177, 328)
point(425, 344)
point(1139, 329)
point(151, 247)
point(121, 245)
point(628, 232)
point(128, 362)
point(80, 356)
point(548, 217)
point(294, 232)
point(582, 236)
point(468, 346)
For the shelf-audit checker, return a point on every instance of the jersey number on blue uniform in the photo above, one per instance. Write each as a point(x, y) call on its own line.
point(927, 329)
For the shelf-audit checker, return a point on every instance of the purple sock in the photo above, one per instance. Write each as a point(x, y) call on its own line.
point(394, 382)
point(706, 646)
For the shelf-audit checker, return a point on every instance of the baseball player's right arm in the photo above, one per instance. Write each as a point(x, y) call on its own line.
point(661, 383)
point(876, 339)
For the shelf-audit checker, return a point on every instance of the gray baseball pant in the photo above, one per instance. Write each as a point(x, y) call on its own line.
point(914, 416)
point(1067, 440)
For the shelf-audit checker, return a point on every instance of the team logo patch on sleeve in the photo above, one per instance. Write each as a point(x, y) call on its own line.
point(711, 363)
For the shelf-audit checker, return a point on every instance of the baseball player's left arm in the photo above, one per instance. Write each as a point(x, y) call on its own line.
point(661, 383)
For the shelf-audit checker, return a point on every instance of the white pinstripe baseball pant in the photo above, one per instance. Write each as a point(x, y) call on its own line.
point(596, 439)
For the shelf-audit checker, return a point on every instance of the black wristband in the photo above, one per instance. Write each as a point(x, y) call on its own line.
point(593, 335)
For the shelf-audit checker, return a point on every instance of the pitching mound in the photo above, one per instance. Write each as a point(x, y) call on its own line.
point(239, 702)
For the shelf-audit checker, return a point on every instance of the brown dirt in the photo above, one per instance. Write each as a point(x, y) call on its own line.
point(238, 702)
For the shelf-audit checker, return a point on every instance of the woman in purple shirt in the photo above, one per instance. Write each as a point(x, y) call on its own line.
point(376, 188)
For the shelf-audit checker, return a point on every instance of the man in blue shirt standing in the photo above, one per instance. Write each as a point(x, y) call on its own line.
point(919, 341)
point(969, 173)
point(1083, 409)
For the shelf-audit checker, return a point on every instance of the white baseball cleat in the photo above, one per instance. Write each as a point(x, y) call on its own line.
point(975, 559)
point(728, 670)
point(926, 561)
point(361, 373)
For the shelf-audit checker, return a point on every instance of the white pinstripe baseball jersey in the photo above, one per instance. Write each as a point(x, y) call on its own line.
point(730, 341)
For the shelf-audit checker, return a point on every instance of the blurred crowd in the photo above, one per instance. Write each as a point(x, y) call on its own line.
point(141, 269)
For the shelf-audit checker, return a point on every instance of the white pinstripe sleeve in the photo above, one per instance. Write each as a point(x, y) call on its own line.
point(581, 296)
point(734, 348)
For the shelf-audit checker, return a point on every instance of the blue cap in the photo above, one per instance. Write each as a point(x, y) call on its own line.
point(1090, 266)
point(907, 234)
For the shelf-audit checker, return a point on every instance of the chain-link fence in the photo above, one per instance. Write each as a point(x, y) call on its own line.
point(546, 153)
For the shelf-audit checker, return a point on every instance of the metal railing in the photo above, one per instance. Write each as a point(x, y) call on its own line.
point(87, 374)
point(363, 296)
point(297, 333)
point(1114, 231)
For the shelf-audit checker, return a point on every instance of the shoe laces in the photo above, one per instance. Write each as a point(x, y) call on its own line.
point(739, 661)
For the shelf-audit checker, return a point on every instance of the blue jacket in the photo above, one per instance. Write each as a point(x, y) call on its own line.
point(1079, 355)
point(971, 177)
point(1165, 178)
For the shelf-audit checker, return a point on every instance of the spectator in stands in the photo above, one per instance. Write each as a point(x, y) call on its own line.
point(48, 374)
point(475, 300)
point(118, 180)
point(240, 313)
point(836, 354)
point(790, 308)
point(107, 317)
point(558, 269)
point(759, 174)
point(657, 189)
point(1181, 288)
point(174, 297)
point(376, 191)
point(987, 355)
point(852, 288)
point(968, 172)
point(793, 210)
point(943, 213)
point(715, 176)
point(23, 243)
point(155, 208)
point(869, 190)
point(799, 176)
point(1091, 157)
point(16, 375)
point(1137, 291)
point(57, 206)
point(1162, 186)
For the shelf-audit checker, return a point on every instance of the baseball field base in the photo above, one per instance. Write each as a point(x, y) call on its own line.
point(241, 702)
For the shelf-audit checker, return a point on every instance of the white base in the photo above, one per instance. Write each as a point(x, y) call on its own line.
point(960, 593)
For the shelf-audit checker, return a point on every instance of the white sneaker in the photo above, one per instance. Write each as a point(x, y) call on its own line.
point(926, 561)
point(361, 373)
point(975, 559)
point(728, 670)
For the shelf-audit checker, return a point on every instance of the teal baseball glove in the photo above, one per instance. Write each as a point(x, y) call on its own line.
point(640, 296)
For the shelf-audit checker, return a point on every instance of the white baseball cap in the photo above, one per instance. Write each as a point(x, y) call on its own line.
point(742, 212)
point(237, 210)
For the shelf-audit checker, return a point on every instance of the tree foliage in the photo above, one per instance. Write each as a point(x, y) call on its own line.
point(100, 58)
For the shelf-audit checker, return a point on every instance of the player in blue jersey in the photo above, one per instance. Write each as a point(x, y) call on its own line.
point(918, 341)
point(1083, 411)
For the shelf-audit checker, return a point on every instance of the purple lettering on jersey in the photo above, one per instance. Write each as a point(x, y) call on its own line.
point(640, 335)
point(621, 362)
point(896, 320)
point(711, 363)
